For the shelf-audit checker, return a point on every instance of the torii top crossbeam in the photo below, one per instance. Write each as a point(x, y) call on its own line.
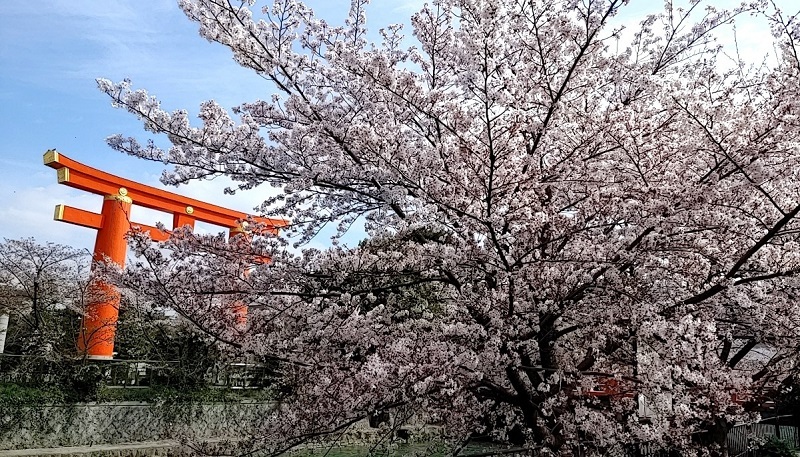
point(185, 210)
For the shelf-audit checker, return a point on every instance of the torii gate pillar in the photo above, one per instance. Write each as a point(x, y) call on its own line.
point(99, 324)
point(96, 340)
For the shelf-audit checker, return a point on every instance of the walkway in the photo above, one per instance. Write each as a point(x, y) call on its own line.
point(122, 449)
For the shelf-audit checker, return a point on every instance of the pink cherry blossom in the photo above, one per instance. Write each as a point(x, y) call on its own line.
point(551, 212)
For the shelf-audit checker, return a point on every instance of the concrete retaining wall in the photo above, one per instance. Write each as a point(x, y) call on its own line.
point(51, 426)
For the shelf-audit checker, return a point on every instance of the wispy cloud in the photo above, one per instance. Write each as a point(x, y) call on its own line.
point(28, 212)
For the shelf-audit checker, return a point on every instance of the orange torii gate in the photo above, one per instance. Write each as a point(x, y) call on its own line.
point(113, 223)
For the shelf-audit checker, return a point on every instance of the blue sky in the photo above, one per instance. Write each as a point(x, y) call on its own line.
point(49, 59)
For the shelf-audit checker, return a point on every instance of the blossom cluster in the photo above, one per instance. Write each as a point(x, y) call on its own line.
point(546, 207)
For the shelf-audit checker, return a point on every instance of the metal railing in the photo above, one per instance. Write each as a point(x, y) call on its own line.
point(33, 371)
point(744, 439)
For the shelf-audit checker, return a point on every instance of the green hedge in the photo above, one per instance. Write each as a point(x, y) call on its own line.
point(15, 395)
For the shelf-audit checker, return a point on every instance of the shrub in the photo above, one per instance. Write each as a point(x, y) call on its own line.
point(775, 447)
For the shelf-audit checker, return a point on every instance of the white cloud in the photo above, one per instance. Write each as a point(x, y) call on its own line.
point(28, 212)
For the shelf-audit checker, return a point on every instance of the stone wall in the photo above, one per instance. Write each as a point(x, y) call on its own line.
point(50, 426)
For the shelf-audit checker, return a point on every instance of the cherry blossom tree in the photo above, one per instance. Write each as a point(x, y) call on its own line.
point(41, 284)
point(561, 221)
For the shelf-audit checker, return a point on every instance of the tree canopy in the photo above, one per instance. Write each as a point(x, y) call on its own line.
point(552, 209)
point(36, 283)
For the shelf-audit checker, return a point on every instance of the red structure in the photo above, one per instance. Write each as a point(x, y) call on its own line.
point(113, 223)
